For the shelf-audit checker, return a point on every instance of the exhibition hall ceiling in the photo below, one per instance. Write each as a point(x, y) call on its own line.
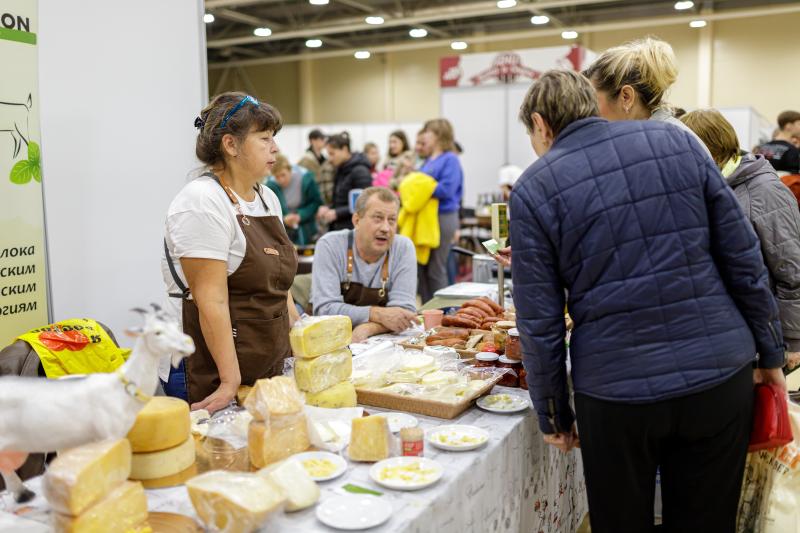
point(241, 32)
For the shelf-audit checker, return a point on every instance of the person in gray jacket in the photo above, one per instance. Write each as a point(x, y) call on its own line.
point(771, 208)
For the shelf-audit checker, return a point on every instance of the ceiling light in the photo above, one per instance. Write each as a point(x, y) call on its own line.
point(698, 24)
point(418, 33)
point(458, 45)
point(540, 19)
point(680, 6)
point(569, 34)
point(262, 32)
point(318, 2)
point(505, 4)
point(313, 43)
point(208, 18)
point(375, 21)
point(362, 54)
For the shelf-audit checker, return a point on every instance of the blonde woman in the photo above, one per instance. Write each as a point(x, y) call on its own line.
point(671, 301)
point(632, 80)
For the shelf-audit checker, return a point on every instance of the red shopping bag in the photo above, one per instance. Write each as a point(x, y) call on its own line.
point(771, 425)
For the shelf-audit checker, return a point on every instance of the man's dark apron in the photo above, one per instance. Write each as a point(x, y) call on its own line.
point(257, 302)
point(356, 293)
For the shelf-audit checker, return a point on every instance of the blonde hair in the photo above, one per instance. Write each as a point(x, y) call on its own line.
point(648, 65)
point(281, 163)
point(560, 97)
point(443, 130)
point(716, 132)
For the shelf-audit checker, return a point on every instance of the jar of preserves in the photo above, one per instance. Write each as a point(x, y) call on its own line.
point(509, 379)
point(486, 359)
point(513, 348)
point(500, 333)
point(413, 442)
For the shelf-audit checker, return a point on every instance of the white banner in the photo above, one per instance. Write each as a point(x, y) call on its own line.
point(513, 66)
point(23, 270)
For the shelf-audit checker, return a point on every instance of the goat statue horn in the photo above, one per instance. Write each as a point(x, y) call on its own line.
point(156, 307)
point(139, 310)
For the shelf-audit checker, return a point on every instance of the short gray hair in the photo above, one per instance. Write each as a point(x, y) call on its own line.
point(561, 97)
point(384, 195)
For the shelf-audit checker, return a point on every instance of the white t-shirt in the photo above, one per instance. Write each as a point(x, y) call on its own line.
point(201, 223)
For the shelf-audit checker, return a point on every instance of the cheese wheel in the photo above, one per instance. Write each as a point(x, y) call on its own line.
point(156, 465)
point(171, 481)
point(162, 424)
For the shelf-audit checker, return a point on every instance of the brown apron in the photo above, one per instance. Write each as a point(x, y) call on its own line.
point(257, 302)
point(356, 293)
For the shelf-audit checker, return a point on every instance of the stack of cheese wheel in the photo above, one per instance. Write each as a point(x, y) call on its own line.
point(279, 428)
point(323, 363)
point(87, 488)
point(163, 447)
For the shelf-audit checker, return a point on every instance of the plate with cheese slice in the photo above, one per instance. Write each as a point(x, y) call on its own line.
point(322, 466)
point(406, 473)
point(503, 403)
point(458, 438)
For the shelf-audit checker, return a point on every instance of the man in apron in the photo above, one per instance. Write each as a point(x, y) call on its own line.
point(368, 273)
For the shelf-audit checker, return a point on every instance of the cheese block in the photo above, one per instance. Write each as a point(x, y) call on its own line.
point(163, 423)
point(296, 485)
point(284, 437)
point(412, 369)
point(274, 397)
point(171, 481)
point(155, 465)
point(369, 439)
point(340, 395)
point(123, 509)
point(233, 502)
point(323, 372)
point(441, 377)
point(80, 477)
point(318, 335)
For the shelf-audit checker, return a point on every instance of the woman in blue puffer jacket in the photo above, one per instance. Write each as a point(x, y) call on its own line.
point(671, 303)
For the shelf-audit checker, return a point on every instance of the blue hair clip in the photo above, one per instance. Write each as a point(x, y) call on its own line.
point(237, 107)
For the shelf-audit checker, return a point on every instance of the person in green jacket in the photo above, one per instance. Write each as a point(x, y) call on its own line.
point(299, 196)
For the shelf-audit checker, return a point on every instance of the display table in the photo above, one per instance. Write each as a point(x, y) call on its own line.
point(514, 483)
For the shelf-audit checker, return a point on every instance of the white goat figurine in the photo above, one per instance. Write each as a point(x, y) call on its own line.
point(46, 415)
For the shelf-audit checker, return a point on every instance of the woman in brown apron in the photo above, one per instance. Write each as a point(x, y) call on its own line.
point(239, 322)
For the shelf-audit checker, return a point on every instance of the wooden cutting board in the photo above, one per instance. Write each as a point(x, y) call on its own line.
point(173, 523)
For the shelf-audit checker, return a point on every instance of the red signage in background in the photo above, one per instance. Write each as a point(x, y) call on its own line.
point(450, 71)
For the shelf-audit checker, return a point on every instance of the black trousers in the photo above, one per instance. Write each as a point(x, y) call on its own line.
point(700, 443)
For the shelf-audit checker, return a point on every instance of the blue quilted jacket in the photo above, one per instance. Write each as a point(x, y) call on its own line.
point(662, 271)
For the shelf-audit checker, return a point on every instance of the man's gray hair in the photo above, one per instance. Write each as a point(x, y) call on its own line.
point(384, 195)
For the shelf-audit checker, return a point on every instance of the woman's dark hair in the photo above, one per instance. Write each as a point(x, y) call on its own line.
point(340, 140)
point(401, 135)
point(219, 118)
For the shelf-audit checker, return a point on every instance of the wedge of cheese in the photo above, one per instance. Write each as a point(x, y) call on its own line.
point(340, 395)
point(80, 477)
point(323, 372)
point(163, 423)
point(233, 502)
point(297, 486)
point(282, 438)
point(370, 439)
point(276, 396)
point(317, 335)
point(123, 509)
point(156, 465)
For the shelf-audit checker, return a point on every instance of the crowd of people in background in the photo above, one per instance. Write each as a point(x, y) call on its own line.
point(318, 193)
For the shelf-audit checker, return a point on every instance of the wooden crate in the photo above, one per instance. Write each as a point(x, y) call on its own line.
point(413, 404)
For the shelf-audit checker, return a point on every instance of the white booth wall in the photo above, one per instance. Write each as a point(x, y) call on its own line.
point(120, 85)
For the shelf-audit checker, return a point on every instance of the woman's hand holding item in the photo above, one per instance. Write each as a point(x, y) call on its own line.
point(564, 441)
point(770, 376)
point(503, 256)
point(10, 461)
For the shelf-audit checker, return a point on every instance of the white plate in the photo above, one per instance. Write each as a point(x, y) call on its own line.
point(433, 473)
point(398, 421)
point(353, 512)
point(452, 434)
point(338, 461)
point(513, 403)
